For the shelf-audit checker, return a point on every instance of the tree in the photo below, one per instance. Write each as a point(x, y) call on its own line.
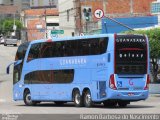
point(154, 43)
point(6, 26)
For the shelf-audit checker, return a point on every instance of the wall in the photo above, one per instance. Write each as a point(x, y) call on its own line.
point(124, 6)
point(41, 3)
point(34, 21)
point(109, 26)
point(67, 22)
point(115, 9)
point(6, 2)
point(32, 32)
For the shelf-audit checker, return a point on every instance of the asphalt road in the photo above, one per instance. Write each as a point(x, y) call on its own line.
point(8, 106)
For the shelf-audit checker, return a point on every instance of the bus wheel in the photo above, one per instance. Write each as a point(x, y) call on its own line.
point(122, 104)
point(27, 99)
point(88, 99)
point(109, 103)
point(77, 99)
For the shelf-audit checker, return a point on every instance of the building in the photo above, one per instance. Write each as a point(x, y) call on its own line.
point(67, 17)
point(82, 12)
point(137, 23)
point(8, 11)
point(41, 20)
point(44, 3)
point(6, 2)
point(39, 23)
point(23, 4)
point(155, 9)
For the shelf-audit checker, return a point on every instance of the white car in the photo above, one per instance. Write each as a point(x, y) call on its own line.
point(10, 40)
point(1, 40)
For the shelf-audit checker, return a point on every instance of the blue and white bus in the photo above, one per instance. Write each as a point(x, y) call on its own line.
point(112, 69)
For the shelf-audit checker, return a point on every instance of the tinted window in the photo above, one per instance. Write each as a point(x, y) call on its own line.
point(34, 51)
point(46, 50)
point(21, 51)
point(17, 73)
point(19, 56)
point(131, 54)
point(50, 76)
point(94, 46)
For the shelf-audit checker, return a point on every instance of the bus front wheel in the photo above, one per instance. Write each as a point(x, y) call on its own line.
point(88, 99)
point(77, 99)
point(27, 99)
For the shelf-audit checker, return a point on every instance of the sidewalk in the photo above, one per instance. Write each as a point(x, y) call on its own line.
point(154, 89)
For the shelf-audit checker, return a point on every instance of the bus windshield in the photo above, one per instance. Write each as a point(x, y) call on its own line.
point(19, 56)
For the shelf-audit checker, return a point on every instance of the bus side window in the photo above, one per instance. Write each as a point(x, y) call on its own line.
point(69, 50)
point(84, 47)
point(46, 50)
point(103, 45)
point(34, 52)
point(74, 47)
point(94, 47)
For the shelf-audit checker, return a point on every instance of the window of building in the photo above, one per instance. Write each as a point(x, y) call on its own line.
point(155, 7)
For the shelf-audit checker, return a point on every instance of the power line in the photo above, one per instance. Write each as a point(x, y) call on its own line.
point(124, 25)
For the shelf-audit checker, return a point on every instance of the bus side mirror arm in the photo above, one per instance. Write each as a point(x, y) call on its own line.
point(8, 67)
point(15, 63)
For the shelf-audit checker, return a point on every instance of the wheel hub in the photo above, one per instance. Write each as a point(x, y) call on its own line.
point(77, 99)
point(88, 98)
point(28, 98)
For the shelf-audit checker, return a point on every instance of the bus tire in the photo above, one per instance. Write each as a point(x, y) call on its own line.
point(122, 104)
point(77, 98)
point(87, 99)
point(109, 103)
point(27, 99)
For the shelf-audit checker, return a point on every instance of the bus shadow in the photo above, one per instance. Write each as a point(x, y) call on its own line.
point(98, 106)
point(50, 105)
point(128, 107)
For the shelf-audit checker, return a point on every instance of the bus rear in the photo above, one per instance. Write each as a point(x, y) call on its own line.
point(130, 81)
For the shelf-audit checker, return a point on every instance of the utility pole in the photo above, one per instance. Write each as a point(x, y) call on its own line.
point(131, 6)
point(45, 17)
point(14, 25)
point(104, 6)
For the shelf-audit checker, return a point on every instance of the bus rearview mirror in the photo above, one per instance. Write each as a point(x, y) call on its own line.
point(15, 63)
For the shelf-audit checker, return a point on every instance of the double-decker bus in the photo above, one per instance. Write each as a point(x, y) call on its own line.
point(112, 69)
